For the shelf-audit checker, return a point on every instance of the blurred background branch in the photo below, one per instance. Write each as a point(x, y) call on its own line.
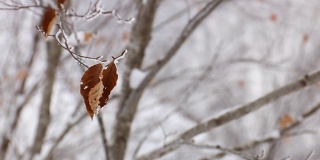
point(214, 79)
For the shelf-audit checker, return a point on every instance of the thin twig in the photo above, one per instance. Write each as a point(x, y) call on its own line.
point(66, 45)
point(224, 149)
point(64, 133)
point(283, 133)
point(77, 56)
point(235, 114)
point(309, 155)
point(103, 136)
point(93, 11)
point(70, 126)
point(19, 6)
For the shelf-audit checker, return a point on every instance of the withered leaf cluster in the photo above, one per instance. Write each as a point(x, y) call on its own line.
point(96, 85)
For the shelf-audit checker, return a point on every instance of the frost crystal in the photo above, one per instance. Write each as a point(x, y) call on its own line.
point(122, 56)
point(98, 109)
point(100, 57)
point(131, 20)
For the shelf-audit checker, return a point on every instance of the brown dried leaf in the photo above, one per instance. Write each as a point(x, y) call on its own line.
point(21, 75)
point(125, 36)
point(286, 121)
point(305, 38)
point(87, 37)
point(48, 20)
point(94, 95)
point(110, 77)
point(273, 17)
point(89, 80)
point(96, 86)
point(241, 84)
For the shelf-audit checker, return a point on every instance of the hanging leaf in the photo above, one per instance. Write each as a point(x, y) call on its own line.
point(109, 80)
point(48, 20)
point(89, 80)
point(96, 86)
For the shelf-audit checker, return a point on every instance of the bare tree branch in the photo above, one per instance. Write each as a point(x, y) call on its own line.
point(235, 114)
point(187, 31)
point(138, 42)
point(225, 150)
point(64, 133)
point(309, 155)
point(19, 6)
point(94, 10)
point(70, 125)
point(283, 133)
point(30, 63)
point(6, 140)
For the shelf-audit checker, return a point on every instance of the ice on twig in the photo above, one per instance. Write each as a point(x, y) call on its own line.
point(120, 57)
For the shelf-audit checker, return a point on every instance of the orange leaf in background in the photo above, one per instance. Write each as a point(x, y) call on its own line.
point(87, 37)
point(96, 85)
point(101, 41)
point(125, 36)
point(241, 83)
point(21, 74)
point(305, 38)
point(273, 17)
point(286, 121)
point(48, 20)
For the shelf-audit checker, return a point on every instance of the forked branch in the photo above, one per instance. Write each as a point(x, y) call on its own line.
point(234, 114)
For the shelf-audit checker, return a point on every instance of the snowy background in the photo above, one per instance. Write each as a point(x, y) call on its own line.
point(242, 51)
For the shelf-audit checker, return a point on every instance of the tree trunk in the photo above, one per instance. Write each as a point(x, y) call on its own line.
point(54, 52)
point(139, 40)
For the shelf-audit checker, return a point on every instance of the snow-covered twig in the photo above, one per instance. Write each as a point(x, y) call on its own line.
point(66, 46)
point(79, 58)
point(19, 6)
point(93, 11)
